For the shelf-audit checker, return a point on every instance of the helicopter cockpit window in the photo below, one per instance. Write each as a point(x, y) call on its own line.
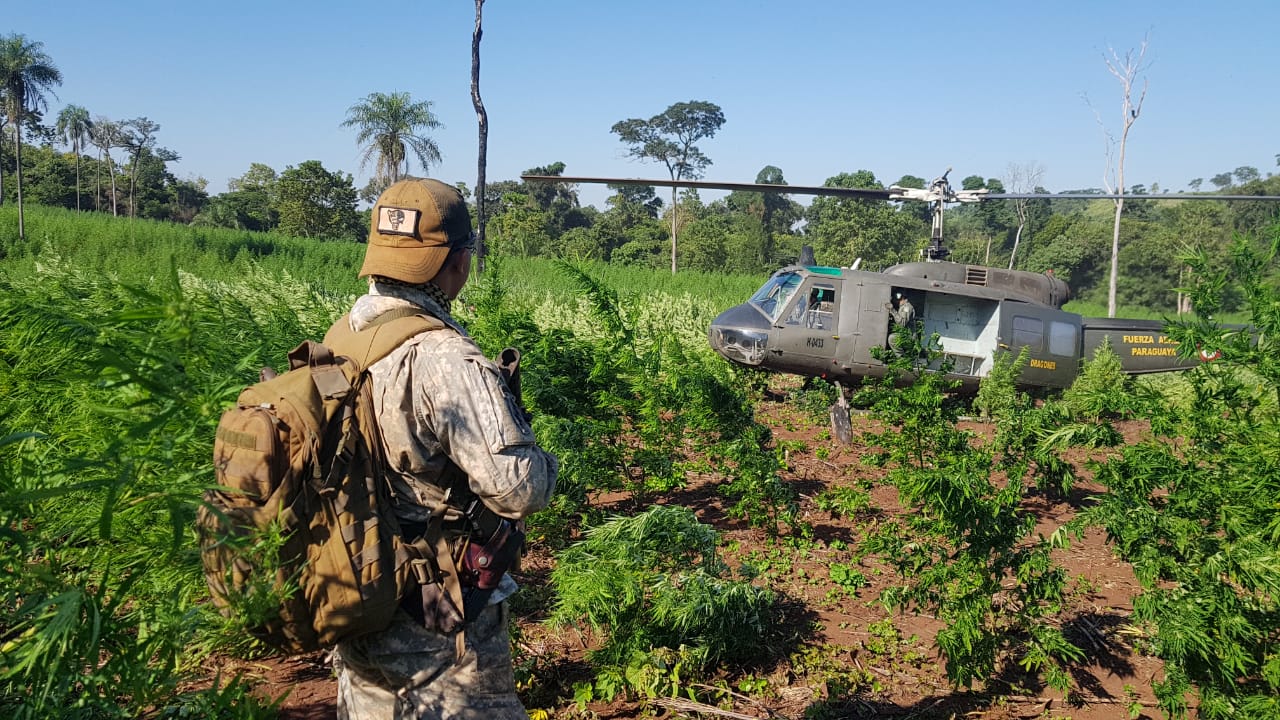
point(773, 297)
point(815, 309)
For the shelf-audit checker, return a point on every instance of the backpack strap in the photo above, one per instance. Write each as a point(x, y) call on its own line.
point(375, 342)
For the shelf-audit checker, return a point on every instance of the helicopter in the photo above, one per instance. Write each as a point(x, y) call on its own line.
point(836, 323)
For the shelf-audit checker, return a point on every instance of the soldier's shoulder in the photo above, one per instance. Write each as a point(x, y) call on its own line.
point(449, 342)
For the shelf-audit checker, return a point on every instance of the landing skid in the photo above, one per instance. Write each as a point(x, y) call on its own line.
point(841, 427)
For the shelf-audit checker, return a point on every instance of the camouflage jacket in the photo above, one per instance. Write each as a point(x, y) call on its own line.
point(904, 315)
point(439, 400)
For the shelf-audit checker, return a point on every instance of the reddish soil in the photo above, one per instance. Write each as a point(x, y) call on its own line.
point(845, 660)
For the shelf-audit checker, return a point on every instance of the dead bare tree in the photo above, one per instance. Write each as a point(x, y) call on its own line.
point(1021, 179)
point(482, 122)
point(1127, 70)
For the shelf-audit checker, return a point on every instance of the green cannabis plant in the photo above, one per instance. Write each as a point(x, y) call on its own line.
point(998, 395)
point(967, 548)
point(655, 591)
point(1194, 508)
point(1104, 391)
point(110, 393)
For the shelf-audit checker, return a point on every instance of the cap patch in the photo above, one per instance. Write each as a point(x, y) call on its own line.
point(398, 221)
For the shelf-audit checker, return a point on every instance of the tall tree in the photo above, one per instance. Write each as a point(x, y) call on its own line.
point(1222, 180)
point(4, 123)
point(773, 213)
point(105, 135)
point(482, 129)
point(74, 125)
point(388, 126)
point(669, 138)
point(26, 74)
point(139, 135)
point(1022, 179)
point(313, 202)
point(248, 204)
point(1127, 71)
point(1246, 173)
point(558, 200)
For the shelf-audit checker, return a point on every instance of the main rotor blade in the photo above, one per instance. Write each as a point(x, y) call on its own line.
point(1127, 196)
point(879, 194)
point(861, 193)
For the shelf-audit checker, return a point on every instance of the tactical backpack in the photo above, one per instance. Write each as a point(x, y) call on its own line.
point(300, 537)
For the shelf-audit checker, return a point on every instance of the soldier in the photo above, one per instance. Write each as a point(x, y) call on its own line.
point(463, 464)
point(902, 316)
point(904, 313)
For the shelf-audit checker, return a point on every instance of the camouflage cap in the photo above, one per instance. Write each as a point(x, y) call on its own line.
point(414, 224)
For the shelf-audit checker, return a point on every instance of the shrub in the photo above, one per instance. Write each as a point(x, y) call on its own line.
point(654, 586)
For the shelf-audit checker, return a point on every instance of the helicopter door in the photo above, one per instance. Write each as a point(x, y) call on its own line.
point(809, 336)
point(1052, 339)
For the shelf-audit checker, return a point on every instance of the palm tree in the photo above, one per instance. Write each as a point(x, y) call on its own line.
point(105, 134)
point(387, 127)
point(26, 73)
point(74, 126)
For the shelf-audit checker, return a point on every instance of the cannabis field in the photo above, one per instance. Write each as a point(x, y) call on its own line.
point(1110, 551)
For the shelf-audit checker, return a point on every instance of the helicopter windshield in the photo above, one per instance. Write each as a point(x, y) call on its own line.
point(772, 298)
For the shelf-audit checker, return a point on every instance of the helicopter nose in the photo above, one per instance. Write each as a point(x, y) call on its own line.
point(740, 334)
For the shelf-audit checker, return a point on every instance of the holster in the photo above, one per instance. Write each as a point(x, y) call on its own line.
point(484, 565)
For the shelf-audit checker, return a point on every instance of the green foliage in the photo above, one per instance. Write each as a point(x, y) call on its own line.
point(842, 230)
point(104, 575)
point(630, 408)
point(617, 375)
point(1104, 390)
point(655, 590)
point(814, 398)
point(967, 548)
point(847, 578)
point(848, 502)
point(109, 396)
point(998, 391)
point(759, 495)
point(141, 251)
point(1194, 509)
point(313, 202)
point(234, 700)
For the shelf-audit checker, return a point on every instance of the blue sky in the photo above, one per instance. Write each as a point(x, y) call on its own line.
point(815, 88)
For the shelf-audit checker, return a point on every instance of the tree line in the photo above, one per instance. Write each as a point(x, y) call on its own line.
point(89, 162)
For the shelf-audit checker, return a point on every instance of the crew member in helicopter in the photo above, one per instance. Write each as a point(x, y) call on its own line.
point(902, 314)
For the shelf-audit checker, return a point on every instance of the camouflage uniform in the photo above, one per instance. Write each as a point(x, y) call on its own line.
point(905, 314)
point(438, 399)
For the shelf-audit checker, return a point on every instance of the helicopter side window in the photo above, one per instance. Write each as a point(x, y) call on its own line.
point(1062, 339)
point(822, 302)
point(1028, 331)
point(814, 310)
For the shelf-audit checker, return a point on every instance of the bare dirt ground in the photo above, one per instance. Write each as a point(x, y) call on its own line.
point(849, 657)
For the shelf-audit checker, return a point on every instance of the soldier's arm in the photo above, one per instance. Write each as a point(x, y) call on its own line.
point(483, 430)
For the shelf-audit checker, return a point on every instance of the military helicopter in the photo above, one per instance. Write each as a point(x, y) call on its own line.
point(828, 322)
